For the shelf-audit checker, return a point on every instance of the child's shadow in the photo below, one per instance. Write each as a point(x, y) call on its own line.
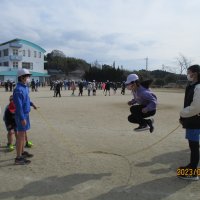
point(174, 159)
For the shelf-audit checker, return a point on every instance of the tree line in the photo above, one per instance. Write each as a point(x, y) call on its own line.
point(57, 60)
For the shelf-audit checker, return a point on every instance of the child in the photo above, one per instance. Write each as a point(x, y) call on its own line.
point(103, 87)
point(22, 102)
point(190, 119)
point(146, 103)
point(9, 119)
point(107, 88)
point(89, 88)
point(73, 87)
point(94, 88)
point(58, 87)
point(80, 86)
point(123, 88)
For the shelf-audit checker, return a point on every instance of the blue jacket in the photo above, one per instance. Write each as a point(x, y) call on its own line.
point(22, 101)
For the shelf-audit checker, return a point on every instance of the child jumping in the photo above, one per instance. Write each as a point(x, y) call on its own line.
point(143, 105)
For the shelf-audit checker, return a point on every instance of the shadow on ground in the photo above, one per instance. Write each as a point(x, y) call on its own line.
point(152, 190)
point(51, 185)
point(171, 159)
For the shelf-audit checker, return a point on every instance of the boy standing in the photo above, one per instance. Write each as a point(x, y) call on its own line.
point(22, 103)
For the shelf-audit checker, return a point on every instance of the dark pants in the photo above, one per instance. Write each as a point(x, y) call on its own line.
point(194, 156)
point(58, 92)
point(137, 116)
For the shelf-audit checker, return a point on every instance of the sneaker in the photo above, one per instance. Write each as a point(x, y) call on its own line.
point(150, 124)
point(142, 128)
point(11, 147)
point(187, 173)
point(29, 144)
point(193, 177)
point(26, 154)
point(22, 161)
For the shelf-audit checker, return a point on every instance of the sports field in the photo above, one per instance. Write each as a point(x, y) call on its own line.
point(85, 149)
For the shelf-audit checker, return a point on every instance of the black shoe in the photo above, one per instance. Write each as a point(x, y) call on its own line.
point(142, 128)
point(22, 161)
point(26, 154)
point(150, 123)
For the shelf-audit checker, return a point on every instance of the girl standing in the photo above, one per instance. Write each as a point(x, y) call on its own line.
point(190, 119)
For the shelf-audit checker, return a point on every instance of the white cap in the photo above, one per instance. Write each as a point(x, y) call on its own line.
point(131, 78)
point(22, 72)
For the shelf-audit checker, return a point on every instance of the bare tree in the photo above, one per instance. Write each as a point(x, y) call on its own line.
point(183, 63)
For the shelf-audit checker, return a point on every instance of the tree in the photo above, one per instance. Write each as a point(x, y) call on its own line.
point(170, 78)
point(159, 82)
point(58, 53)
point(57, 60)
point(183, 63)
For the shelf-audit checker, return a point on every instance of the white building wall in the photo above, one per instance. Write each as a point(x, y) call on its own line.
point(4, 58)
point(38, 63)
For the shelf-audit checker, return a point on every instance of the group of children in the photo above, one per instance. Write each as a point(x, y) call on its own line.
point(143, 106)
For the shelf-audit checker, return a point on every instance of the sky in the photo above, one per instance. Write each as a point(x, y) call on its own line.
point(124, 31)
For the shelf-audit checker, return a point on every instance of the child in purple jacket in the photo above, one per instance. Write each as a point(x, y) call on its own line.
point(143, 105)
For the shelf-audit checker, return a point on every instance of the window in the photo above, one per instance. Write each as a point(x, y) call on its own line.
point(5, 52)
point(35, 54)
point(29, 53)
point(27, 65)
point(15, 52)
point(5, 64)
point(0, 64)
point(40, 55)
point(15, 64)
point(24, 53)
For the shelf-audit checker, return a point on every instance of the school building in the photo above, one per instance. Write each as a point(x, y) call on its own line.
point(19, 53)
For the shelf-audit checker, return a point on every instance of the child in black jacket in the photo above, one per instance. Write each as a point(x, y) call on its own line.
point(9, 119)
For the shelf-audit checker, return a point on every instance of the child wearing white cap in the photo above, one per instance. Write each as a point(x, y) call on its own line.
point(143, 105)
point(22, 103)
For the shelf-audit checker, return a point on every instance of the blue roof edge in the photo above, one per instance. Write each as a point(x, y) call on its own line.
point(14, 73)
point(25, 42)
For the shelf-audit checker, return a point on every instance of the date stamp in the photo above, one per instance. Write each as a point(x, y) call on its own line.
point(188, 172)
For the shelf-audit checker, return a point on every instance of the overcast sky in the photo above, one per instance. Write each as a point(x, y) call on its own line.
point(124, 31)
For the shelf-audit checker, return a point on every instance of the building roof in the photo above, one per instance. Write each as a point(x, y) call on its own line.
point(55, 71)
point(25, 42)
point(78, 71)
point(14, 73)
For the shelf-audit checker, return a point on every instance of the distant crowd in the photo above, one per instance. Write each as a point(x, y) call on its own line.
point(58, 85)
point(91, 87)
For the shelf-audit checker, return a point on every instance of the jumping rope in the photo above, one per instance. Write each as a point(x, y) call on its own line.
point(115, 154)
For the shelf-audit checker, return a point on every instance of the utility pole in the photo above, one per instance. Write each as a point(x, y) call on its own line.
point(146, 63)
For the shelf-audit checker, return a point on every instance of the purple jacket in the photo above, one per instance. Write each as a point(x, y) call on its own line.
point(145, 97)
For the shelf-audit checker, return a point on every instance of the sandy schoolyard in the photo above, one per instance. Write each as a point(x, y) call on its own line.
point(85, 149)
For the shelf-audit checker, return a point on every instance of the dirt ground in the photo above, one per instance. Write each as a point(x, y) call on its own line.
point(85, 149)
